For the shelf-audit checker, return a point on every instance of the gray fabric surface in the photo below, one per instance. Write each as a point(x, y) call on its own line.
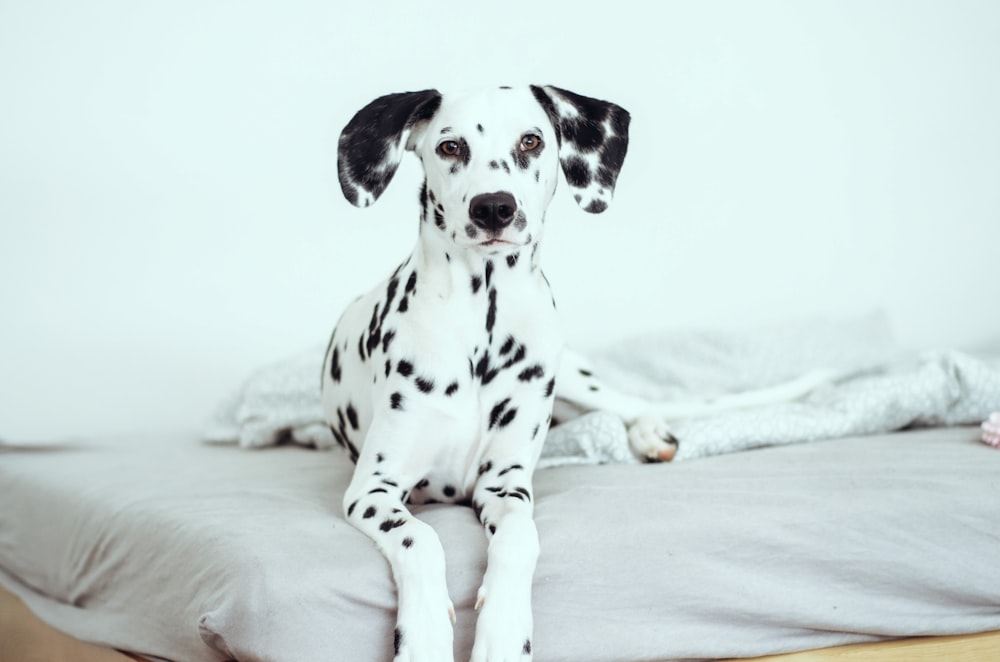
point(194, 553)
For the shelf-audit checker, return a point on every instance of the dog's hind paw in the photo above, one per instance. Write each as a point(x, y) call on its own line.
point(651, 439)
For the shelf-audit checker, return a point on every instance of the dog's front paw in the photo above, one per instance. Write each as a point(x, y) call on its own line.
point(651, 439)
point(429, 640)
point(503, 632)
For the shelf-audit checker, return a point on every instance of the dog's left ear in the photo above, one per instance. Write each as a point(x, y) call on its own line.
point(371, 145)
point(593, 139)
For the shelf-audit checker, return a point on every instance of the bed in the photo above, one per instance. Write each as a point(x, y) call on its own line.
point(169, 548)
point(177, 550)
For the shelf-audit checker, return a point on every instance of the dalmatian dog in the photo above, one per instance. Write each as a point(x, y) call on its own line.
point(440, 382)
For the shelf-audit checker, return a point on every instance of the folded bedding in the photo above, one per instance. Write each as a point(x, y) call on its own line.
point(188, 552)
point(870, 385)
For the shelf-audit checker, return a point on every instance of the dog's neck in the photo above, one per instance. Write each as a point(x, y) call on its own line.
point(446, 269)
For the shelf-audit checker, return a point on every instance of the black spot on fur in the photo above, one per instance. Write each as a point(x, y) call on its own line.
point(350, 508)
point(484, 370)
point(507, 418)
point(527, 647)
point(407, 542)
point(448, 491)
point(388, 367)
point(471, 231)
point(390, 524)
point(397, 641)
point(387, 339)
point(425, 385)
point(507, 345)
point(494, 165)
point(335, 365)
point(396, 400)
point(390, 294)
point(369, 513)
point(352, 416)
point(489, 271)
point(512, 260)
point(477, 282)
point(493, 528)
point(486, 466)
point(439, 219)
point(497, 411)
point(479, 128)
point(586, 373)
point(491, 313)
point(422, 484)
point(531, 372)
point(378, 490)
point(517, 357)
point(523, 159)
point(577, 172)
point(512, 467)
point(550, 387)
point(450, 391)
point(374, 339)
point(379, 457)
point(405, 368)
point(404, 305)
point(411, 283)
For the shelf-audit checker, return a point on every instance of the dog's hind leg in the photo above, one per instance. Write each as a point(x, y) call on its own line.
point(579, 390)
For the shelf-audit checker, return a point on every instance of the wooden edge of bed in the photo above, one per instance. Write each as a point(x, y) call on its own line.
point(958, 648)
point(25, 638)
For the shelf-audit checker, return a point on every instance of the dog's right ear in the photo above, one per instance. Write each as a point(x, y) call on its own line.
point(372, 143)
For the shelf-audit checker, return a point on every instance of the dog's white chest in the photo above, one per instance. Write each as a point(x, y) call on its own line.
point(452, 357)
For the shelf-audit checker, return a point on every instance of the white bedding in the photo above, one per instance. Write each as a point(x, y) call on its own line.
point(873, 387)
point(191, 553)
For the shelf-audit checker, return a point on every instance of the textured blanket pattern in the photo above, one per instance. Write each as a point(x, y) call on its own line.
point(875, 389)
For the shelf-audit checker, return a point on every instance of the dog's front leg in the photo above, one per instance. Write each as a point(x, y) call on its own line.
point(503, 500)
point(375, 503)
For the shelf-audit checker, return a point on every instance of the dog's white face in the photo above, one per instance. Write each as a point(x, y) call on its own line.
point(491, 161)
point(491, 158)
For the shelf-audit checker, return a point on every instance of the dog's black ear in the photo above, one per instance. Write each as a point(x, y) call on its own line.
point(593, 139)
point(372, 143)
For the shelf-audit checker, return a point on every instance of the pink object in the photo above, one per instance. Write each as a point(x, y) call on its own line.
point(991, 430)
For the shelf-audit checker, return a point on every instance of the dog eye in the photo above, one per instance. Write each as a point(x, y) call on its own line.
point(530, 142)
point(449, 148)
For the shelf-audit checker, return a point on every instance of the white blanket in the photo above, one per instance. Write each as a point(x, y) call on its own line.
point(876, 389)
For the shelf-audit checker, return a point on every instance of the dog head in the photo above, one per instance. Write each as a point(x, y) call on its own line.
point(491, 159)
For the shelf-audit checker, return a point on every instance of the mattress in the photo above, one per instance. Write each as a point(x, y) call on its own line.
point(163, 546)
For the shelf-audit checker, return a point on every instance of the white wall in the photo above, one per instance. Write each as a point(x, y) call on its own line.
point(170, 217)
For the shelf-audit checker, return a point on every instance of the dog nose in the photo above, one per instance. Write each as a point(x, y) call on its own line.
point(493, 211)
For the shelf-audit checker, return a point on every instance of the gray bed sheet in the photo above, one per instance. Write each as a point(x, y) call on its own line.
point(162, 546)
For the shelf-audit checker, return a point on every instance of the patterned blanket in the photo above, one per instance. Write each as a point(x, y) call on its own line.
point(874, 388)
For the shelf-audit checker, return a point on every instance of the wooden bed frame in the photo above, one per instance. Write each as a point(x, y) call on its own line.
point(982, 647)
point(25, 638)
